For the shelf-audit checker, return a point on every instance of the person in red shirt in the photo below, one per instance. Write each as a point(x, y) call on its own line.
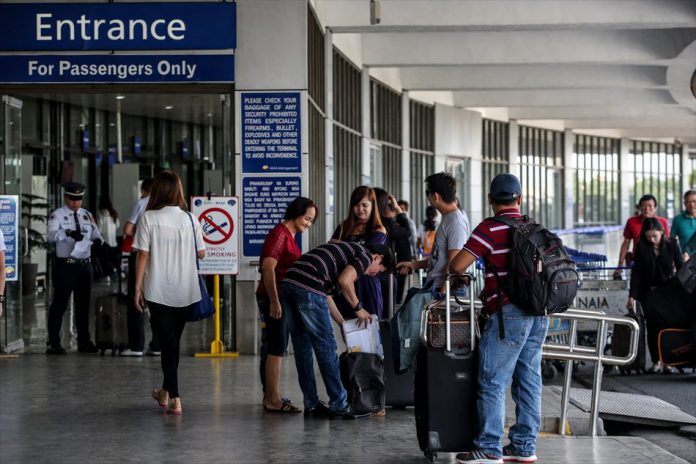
point(280, 250)
point(647, 207)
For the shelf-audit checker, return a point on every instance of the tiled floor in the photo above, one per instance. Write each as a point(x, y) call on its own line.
point(84, 408)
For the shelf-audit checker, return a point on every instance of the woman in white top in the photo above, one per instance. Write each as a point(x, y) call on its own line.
point(166, 275)
point(108, 223)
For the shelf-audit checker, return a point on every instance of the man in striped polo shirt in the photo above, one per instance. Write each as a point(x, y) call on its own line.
point(326, 271)
point(517, 356)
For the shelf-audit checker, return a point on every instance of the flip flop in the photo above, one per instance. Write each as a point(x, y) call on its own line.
point(285, 408)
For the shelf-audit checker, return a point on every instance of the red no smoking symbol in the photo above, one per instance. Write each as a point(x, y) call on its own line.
point(217, 225)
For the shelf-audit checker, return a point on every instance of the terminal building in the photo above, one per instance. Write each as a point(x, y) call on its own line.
point(591, 104)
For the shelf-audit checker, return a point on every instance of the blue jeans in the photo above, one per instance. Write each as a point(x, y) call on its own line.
point(517, 357)
point(311, 329)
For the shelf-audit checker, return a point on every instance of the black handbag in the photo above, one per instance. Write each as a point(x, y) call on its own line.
point(204, 308)
point(687, 277)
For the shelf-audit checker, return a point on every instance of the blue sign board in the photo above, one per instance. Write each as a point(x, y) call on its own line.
point(85, 140)
point(68, 69)
point(137, 145)
point(264, 202)
point(9, 224)
point(271, 135)
point(118, 26)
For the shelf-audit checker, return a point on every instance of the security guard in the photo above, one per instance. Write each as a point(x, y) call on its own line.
point(73, 230)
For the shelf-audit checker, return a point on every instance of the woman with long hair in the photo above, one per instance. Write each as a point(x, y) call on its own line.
point(655, 259)
point(108, 223)
point(395, 221)
point(279, 252)
point(364, 226)
point(166, 275)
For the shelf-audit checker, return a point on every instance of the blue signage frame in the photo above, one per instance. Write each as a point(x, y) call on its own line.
point(264, 200)
point(271, 138)
point(9, 224)
point(118, 26)
point(79, 69)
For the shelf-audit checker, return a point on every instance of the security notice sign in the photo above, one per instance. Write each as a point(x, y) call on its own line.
point(218, 217)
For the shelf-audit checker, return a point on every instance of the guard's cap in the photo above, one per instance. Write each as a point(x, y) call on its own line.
point(74, 190)
point(505, 187)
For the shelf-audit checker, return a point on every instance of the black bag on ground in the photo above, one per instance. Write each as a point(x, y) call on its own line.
point(362, 375)
point(621, 343)
point(398, 389)
point(677, 347)
point(541, 279)
point(445, 397)
point(111, 331)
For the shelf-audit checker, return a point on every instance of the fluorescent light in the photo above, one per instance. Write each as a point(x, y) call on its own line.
point(168, 107)
point(120, 97)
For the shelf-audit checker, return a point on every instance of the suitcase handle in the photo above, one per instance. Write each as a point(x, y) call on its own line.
point(448, 309)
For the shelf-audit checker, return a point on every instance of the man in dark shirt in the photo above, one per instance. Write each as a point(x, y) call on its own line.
point(305, 294)
point(517, 356)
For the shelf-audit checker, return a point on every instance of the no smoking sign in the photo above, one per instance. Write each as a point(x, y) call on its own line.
point(218, 217)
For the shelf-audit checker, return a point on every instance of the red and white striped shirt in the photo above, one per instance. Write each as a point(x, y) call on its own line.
point(491, 241)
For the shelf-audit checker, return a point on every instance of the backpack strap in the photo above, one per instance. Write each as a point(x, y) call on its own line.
point(501, 325)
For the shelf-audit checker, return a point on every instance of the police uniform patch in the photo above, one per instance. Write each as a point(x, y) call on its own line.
point(65, 218)
point(85, 217)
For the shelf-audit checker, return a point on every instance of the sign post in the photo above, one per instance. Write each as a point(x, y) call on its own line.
point(219, 217)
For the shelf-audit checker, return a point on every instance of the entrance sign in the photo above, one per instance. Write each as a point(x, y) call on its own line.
point(118, 26)
point(271, 136)
point(73, 69)
point(218, 217)
point(9, 224)
point(265, 201)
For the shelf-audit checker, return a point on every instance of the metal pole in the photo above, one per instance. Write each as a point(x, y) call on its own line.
point(597, 380)
point(567, 378)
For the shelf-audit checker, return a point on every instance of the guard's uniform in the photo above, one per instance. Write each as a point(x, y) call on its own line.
point(73, 271)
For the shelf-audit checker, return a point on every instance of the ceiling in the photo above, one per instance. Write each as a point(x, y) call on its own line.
point(620, 68)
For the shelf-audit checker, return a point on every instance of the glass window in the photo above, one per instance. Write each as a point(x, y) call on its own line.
point(596, 183)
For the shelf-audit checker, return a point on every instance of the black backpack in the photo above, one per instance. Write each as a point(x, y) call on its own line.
point(542, 279)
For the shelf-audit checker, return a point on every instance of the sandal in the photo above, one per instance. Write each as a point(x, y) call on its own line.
point(284, 408)
point(175, 409)
point(157, 396)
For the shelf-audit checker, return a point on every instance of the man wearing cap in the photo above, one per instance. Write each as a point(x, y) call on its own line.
point(517, 356)
point(73, 230)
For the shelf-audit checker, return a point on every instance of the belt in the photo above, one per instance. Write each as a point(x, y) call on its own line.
point(74, 260)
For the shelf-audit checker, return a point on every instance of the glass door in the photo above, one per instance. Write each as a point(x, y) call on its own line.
point(11, 329)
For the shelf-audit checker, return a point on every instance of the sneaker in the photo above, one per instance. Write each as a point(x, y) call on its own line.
point(87, 347)
point(348, 413)
point(478, 457)
point(150, 352)
point(320, 410)
point(129, 352)
point(510, 454)
point(55, 349)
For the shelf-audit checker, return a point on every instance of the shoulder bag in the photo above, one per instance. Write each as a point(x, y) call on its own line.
point(203, 308)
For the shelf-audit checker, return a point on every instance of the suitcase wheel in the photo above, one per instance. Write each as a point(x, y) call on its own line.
point(548, 371)
point(430, 455)
point(101, 352)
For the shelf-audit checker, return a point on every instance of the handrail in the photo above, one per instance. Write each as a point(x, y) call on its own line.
point(571, 352)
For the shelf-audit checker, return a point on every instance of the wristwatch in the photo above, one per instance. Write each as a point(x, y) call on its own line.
point(357, 307)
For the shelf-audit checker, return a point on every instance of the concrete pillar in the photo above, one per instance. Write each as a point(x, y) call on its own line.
point(570, 164)
point(365, 174)
point(405, 147)
point(329, 136)
point(514, 138)
point(686, 175)
point(271, 56)
point(625, 182)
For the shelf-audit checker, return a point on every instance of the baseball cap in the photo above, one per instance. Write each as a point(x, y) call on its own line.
point(505, 187)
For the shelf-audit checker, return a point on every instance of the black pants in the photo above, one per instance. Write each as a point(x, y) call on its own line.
point(69, 277)
point(136, 319)
point(168, 323)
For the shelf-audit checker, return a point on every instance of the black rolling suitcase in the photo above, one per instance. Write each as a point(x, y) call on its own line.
point(111, 331)
point(621, 343)
point(398, 389)
point(446, 383)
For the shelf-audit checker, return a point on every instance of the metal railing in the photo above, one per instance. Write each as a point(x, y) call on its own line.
point(572, 352)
